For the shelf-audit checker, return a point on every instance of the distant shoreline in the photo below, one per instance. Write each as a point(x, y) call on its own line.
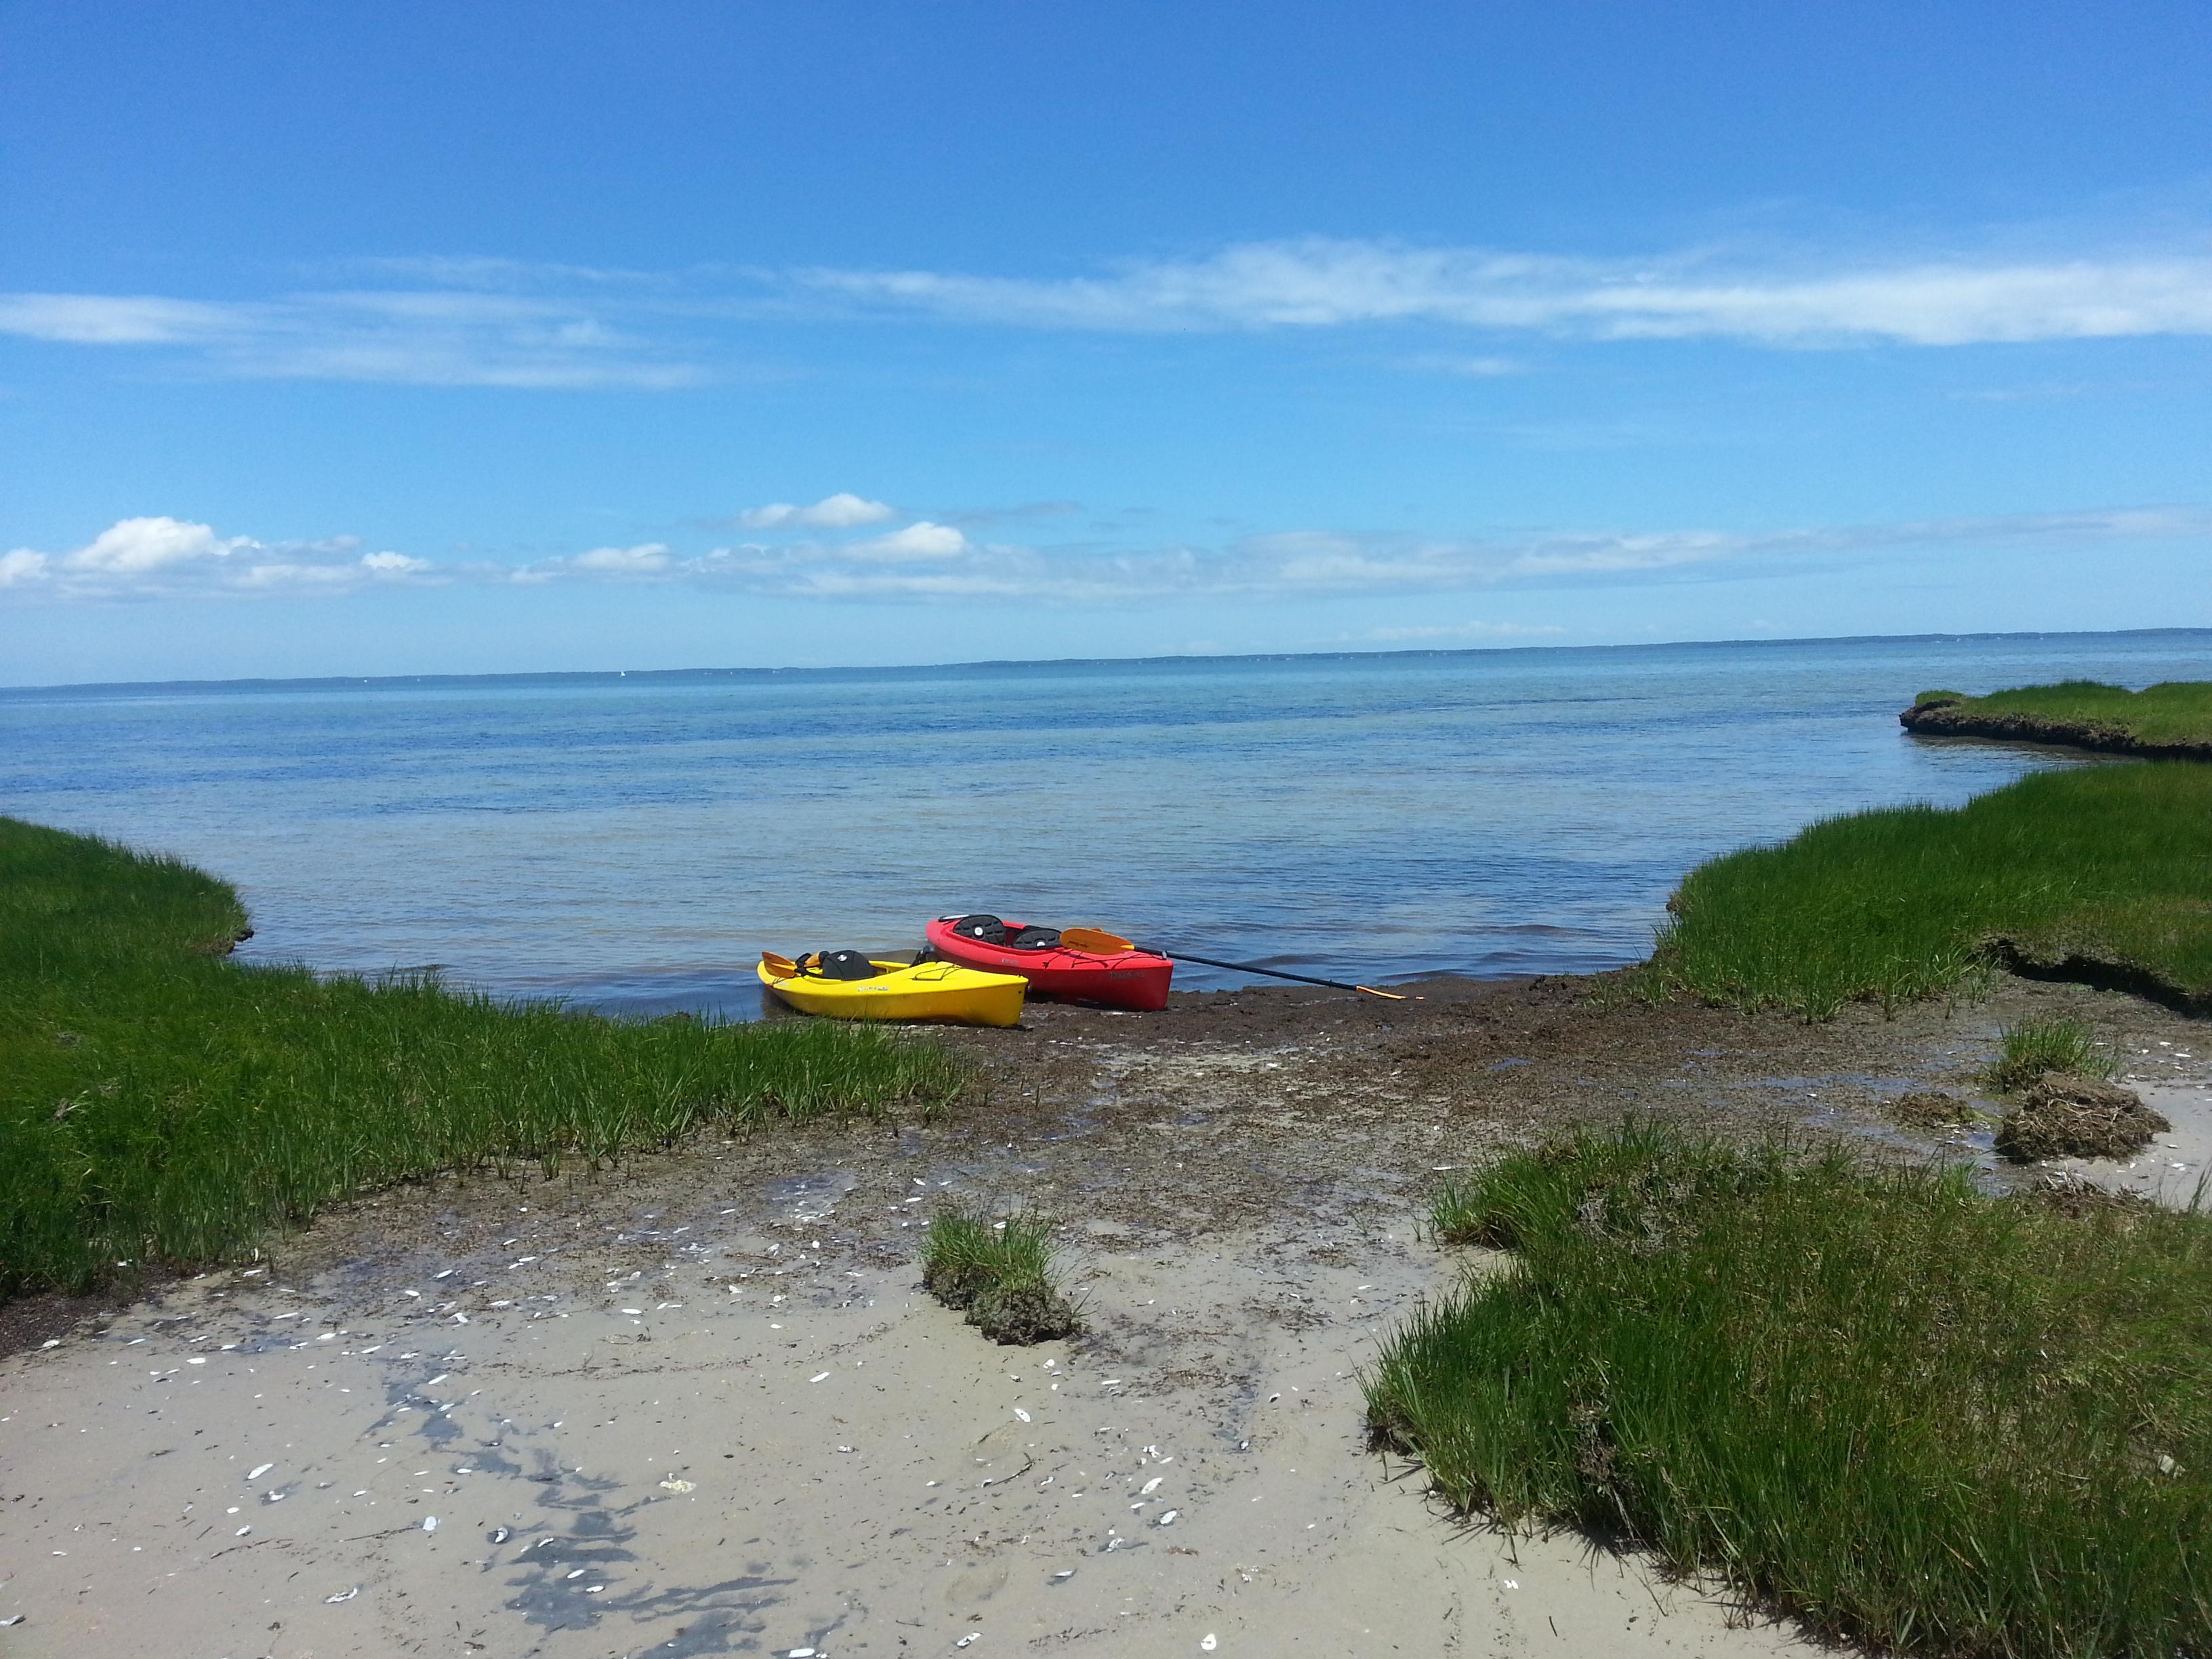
point(590, 675)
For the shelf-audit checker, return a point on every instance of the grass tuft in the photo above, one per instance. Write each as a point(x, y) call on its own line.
point(1912, 1414)
point(162, 1106)
point(1002, 1272)
point(2098, 871)
point(2037, 1047)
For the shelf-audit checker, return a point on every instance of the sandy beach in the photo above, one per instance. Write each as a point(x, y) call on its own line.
point(702, 1407)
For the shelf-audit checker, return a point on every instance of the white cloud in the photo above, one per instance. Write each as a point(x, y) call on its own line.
point(648, 559)
point(843, 511)
point(135, 546)
point(160, 556)
point(394, 564)
point(21, 564)
point(919, 540)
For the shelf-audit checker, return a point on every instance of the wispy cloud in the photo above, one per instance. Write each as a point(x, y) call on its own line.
point(1463, 368)
point(1446, 632)
point(489, 321)
point(1323, 283)
point(925, 562)
point(437, 337)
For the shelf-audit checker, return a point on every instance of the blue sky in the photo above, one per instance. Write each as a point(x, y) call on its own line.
point(422, 339)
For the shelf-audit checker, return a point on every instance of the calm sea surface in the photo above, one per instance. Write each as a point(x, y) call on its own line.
point(632, 842)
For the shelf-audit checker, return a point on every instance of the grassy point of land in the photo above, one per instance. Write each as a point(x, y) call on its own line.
point(2173, 720)
point(160, 1106)
point(2097, 872)
point(1908, 1412)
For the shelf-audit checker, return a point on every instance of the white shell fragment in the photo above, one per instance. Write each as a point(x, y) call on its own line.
point(674, 1485)
point(343, 1596)
point(1169, 1519)
point(1151, 1486)
point(1207, 1644)
point(818, 1376)
point(1020, 1413)
point(501, 1534)
point(429, 1523)
point(259, 1470)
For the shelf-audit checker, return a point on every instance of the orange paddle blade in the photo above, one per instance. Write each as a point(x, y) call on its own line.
point(782, 967)
point(1096, 940)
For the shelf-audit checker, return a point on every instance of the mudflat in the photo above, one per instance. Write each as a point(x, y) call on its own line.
point(700, 1406)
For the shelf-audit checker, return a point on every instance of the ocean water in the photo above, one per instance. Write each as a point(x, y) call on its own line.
point(632, 842)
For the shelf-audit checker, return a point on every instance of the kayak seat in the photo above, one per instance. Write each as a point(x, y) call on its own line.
point(842, 965)
point(989, 930)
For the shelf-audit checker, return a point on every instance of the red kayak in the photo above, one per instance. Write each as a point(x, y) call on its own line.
point(1126, 979)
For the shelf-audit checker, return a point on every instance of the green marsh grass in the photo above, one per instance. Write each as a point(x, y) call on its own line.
point(2175, 712)
point(2037, 1047)
point(1908, 1412)
point(2104, 864)
point(1001, 1270)
point(162, 1106)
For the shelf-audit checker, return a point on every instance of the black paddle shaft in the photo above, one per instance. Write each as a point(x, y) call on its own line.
point(1249, 968)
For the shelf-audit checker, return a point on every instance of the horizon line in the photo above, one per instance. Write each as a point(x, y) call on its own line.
point(334, 681)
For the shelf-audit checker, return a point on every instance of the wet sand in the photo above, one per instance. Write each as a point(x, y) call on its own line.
point(700, 1406)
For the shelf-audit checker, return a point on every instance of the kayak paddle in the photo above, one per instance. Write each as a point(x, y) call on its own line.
point(782, 967)
point(1101, 943)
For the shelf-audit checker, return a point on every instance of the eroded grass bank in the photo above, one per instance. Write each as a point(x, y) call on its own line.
point(1909, 1412)
point(2174, 719)
point(2101, 871)
point(162, 1105)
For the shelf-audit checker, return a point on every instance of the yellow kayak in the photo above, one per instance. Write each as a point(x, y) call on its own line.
point(898, 990)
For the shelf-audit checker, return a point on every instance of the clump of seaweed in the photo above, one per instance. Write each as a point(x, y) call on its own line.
point(2065, 1115)
point(1002, 1273)
point(1931, 1108)
point(2064, 1192)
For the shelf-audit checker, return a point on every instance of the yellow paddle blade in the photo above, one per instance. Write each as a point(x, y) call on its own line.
point(1096, 940)
point(782, 967)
